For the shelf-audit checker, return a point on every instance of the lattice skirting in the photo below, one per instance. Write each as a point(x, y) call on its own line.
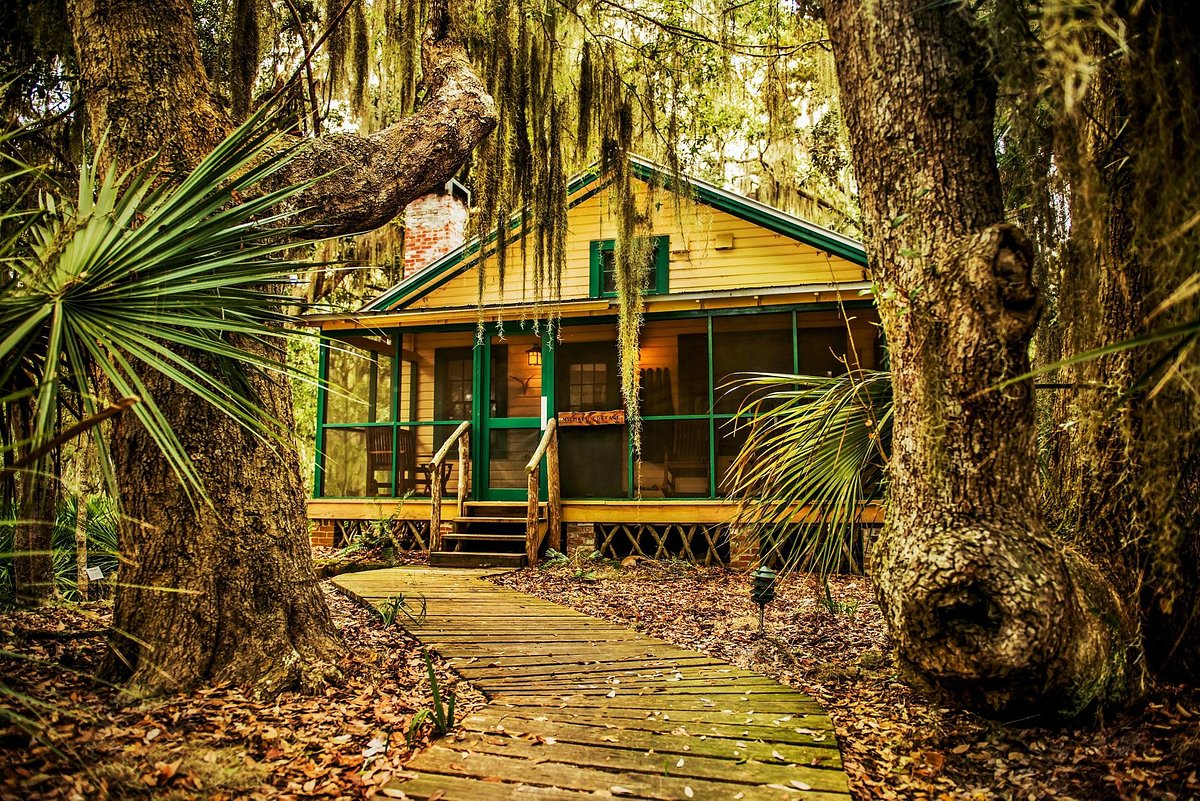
point(407, 534)
point(700, 543)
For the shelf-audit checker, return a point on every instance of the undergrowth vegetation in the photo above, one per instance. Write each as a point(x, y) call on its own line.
point(101, 540)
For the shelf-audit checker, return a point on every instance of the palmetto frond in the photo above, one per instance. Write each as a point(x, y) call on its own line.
point(813, 460)
point(134, 275)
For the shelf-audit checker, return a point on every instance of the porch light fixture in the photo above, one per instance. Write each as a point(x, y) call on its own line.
point(534, 356)
point(762, 590)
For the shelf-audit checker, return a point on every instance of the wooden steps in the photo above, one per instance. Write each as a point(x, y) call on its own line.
point(489, 534)
point(582, 708)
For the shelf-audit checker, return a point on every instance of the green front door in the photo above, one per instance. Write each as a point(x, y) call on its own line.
point(510, 422)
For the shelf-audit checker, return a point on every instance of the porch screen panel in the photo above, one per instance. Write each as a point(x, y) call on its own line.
point(360, 380)
point(346, 468)
point(509, 451)
point(673, 380)
point(731, 436)
point(357, 455)
point(678, 465)
point(750, 343)
point(820, 350)
point(435, 395)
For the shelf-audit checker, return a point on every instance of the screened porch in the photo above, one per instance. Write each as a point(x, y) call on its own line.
point(394, 396)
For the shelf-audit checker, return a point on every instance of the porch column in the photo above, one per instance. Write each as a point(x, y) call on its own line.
point(743, 548)
point(580, 535)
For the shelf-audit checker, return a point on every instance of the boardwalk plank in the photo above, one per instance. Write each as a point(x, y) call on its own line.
point(582, 708)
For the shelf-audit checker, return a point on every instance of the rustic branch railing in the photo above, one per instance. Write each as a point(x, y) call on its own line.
point(439, 473)
point(548, 447)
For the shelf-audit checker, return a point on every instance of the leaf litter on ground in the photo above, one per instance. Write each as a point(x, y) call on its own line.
point(897, 743)
point(215, 743)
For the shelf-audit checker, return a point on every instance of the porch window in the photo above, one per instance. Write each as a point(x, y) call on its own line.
point(655, 279)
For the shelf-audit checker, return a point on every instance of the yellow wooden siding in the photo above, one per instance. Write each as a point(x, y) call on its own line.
point(758, 258)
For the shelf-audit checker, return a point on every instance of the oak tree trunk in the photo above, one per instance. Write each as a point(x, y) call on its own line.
point(985, 607)
point(228, 592)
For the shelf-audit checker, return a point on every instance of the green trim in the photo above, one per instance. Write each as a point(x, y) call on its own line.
point(397, 340)
point(795, 344)
point(594, 262)
point(400, 424)
point(712, 427)
point(662, 266)
point(318, 484)
point(481, 405)
point(479, 396)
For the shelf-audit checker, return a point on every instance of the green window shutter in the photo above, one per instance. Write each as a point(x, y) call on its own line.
point(595, 277)
point(662, 265)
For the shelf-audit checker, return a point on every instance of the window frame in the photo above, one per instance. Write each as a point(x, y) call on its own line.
point(662, 266)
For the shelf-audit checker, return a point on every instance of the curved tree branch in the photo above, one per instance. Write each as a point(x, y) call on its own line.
point(369, 180)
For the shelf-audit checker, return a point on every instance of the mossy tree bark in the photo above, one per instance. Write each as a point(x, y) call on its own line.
point(986, 608)
point(1128, 460)
point(229, 592)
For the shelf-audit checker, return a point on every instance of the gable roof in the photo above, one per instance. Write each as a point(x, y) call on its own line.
point(457, 261)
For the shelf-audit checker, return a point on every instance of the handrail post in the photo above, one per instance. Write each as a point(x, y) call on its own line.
point(435, 507)
point(553, 495)
point(464, 469)
point(532, 541)
point(439, 473)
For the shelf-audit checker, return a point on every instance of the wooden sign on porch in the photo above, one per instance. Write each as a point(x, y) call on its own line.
point(615, 417)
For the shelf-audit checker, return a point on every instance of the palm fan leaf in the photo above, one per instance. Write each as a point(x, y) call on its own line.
point(134, 275)
point(813, 461)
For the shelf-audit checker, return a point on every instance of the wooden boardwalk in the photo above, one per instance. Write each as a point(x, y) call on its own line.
point(581, 708)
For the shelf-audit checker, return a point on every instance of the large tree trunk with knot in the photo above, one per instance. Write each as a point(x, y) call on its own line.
point(986, 608)
point(228, 592)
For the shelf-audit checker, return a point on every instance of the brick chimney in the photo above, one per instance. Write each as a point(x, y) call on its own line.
point(434, 225)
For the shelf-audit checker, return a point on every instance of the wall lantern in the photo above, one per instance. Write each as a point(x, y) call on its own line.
point(534, 356)
point(762, 590)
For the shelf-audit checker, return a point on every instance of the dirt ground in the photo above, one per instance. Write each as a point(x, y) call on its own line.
point(63, 735)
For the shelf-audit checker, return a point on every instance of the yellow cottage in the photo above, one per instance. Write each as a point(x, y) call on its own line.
point(488, 450)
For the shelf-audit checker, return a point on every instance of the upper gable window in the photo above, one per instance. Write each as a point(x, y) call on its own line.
point(604, 268)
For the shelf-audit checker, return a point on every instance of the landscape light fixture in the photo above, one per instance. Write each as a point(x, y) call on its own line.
point(762, 590)
point(534, 356)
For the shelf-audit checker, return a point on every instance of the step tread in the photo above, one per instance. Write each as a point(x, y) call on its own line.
point(493, 519)
point(462, 535)
point(476, 559)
